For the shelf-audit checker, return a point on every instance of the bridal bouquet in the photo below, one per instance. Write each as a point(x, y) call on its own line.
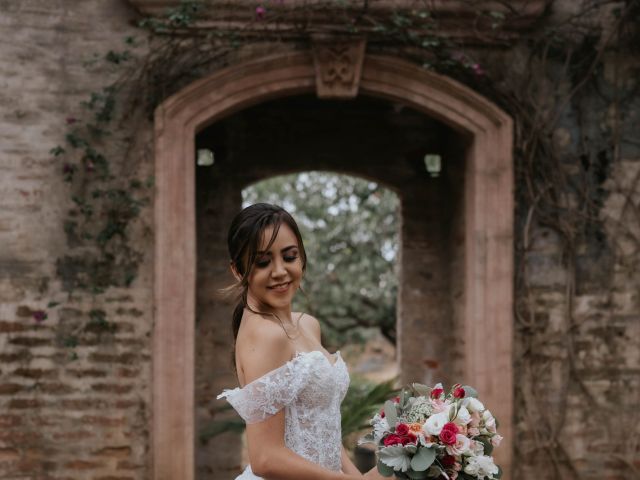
point(426, 433)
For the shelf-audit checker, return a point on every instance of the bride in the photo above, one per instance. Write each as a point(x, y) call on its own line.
point(291, 387)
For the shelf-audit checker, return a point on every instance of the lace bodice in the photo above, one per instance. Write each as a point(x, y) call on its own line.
point(310, 389)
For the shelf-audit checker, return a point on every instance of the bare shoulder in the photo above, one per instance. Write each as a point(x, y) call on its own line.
point(309, 323)
point(261, 346)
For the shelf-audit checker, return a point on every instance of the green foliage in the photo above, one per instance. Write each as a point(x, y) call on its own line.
point(179, 17)
point(362, 401)
point(350, 230)
point(98, 322)
point(117, 57)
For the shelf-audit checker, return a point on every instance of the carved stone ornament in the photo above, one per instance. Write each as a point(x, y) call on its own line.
point(338, 65)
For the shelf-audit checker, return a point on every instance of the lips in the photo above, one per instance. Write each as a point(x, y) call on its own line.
point(281, 287)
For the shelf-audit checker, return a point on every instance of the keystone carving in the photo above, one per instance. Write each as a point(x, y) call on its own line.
point(338, 65)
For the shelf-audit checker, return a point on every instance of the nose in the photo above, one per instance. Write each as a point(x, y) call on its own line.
point(278, 268)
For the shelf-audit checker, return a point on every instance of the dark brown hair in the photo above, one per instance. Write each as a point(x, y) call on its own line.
point(243, 241)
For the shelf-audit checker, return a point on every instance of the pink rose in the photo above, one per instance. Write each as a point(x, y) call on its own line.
point(459, 392)
point(495, 440)
point(451, 426)
point(436, 392)
point(460, 447)
point(448, 437)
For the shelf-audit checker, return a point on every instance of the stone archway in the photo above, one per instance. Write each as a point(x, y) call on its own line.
point(488, 224)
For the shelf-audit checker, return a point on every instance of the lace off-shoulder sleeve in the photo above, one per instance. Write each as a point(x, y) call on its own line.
point(267, 395)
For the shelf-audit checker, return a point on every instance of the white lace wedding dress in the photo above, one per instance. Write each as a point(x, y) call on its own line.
point(310, 388)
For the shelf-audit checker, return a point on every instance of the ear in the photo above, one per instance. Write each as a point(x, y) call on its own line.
point(234, 271)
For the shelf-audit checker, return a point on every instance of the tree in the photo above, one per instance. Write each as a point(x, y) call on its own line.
point(350, 231)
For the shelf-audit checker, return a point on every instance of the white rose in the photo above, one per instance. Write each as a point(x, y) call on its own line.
point(481, 467)
point(474, 405)
point(434, 423)
point(489, 421)
point(463, 417)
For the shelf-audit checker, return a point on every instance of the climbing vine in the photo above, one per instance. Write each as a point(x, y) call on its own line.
point(564, 166)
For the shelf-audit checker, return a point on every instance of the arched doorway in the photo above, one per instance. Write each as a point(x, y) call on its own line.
point(483, 263)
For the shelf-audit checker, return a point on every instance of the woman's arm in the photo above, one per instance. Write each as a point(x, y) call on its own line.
point(348, 466)
point(272, 460)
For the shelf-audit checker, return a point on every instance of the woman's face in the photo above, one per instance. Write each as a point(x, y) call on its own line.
point(275, 276)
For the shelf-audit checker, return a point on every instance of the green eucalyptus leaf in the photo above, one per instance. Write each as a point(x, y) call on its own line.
point(416, 475)
point(421, 389)
point(385, 470)
point(423, 459)
point(470, 391)
point(390, 413)
point(410, 448)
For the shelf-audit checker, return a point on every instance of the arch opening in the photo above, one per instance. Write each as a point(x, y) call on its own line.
point(472, 136)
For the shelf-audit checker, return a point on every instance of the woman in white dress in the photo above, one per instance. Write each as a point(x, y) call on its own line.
point(291, 387)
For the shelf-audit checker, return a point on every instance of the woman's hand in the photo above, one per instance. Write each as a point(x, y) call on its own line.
point(374, 474)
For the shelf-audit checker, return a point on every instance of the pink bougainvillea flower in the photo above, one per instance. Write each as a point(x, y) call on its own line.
point(39, 315)
point(71, 120)
point(261, 12)
point(477, 69)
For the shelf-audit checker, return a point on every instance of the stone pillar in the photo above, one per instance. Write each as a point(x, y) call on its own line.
point(218, 199)
point(424, 319)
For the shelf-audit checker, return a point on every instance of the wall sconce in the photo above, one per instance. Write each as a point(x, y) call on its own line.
point(204, 157)
point(433, 164)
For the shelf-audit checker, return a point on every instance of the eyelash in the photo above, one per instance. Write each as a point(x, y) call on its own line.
point(265, 263)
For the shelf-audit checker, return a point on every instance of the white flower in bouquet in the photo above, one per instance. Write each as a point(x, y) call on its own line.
point(476, 448)
point(419, 410)
point(481, 466)
point(489, 421)
point(463, 417)
point(496, 439)
point(473, 404)
point(380, 427)
point(434, 424)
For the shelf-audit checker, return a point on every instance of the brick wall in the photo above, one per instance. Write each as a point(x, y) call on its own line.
point(82, 409)
point(65, 411)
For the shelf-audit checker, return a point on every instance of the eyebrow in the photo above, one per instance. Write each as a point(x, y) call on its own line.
point(262, 252)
